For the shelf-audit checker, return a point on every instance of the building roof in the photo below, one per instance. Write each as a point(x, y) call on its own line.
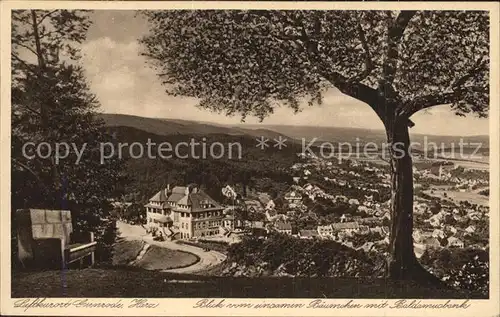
point(293, 195)
point(181, 195)
point(454, 240)
point(326, 227)
point(258, 224)
point(370, 220)
point(196, 200)
point(264, 198)
point(178, 192)
point(160, 196)
point(432, 241)
point(345, 225)
point(308, 233)
point(283, 226)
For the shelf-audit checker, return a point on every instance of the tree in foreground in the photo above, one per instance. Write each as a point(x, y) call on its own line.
point(398, 63)
point(51, 103)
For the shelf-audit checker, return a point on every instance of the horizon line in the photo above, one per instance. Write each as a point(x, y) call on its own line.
point(277, 124)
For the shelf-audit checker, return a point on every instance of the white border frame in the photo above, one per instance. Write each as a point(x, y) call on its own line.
point(180, 306)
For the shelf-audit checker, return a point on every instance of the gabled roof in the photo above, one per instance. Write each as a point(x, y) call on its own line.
point(178, 192)
point(196, 200)
point(159, 196)
point(293, 195)
point(431, 241)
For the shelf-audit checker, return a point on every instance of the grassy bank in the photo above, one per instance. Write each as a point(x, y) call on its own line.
point(135, 282)
point(126, 251)
point(157, 258)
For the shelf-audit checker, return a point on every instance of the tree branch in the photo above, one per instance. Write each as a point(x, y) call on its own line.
point(395, 33)
point(453, 95)
point(26, 47)
point(368, 59)
point(350, 87)
point(347, 86)
point(47, 15)
point(16, 162)
point(478, 67)
point(428, 101)
point(28, 66)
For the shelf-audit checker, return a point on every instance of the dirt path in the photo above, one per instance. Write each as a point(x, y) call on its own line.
point(208, 259)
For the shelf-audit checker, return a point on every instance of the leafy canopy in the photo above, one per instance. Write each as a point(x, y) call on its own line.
point(51, 102)
point(248, 62)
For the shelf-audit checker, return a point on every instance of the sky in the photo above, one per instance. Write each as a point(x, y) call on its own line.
point(125, 84)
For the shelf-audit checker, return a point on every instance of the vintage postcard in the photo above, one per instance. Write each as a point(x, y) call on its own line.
point(250, 158)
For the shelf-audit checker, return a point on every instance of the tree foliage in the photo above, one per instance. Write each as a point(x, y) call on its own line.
point(51, 103)
point(248, 62)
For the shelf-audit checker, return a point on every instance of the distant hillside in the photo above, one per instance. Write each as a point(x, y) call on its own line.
point(182, 127)
point(353, 135)
point(295, 134)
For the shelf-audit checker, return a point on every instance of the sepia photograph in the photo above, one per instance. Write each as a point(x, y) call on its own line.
point(215, 153)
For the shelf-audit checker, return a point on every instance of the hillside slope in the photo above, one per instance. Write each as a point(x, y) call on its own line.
point(126, 282)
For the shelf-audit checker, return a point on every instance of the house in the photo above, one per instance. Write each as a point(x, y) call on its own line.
point(451, 229)
point(283, 227)
point(308, 187)
point(438, 233)
point(228, 221)
point(435, 220)
point(381, 230)
point(368, 246)
point(347, 227)
point(341, 198)
point(270, 205)
point(325, 231)
point(470, 229)
point(419, 250)
point(255, 224)
point(363, 209)
point(417, 236)
point(370, 221)
point(474, 215)
point(308, 234)
point(253, 206)
point(187, 209)
point(431, 242)
point(353, 201)
point(455, 242)
point(158, 209)
point(363, 229)
point(293, 199)
point(343, 218)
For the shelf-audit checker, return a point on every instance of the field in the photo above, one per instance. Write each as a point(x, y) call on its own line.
point(472, 197)
point(126, 251)
point(157, 258)
point(134, 282)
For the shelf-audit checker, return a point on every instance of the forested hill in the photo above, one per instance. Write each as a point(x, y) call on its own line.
point(174, 126)
point(146, 175)
point(294, 134)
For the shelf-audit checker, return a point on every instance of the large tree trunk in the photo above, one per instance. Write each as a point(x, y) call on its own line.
point(401, 260)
